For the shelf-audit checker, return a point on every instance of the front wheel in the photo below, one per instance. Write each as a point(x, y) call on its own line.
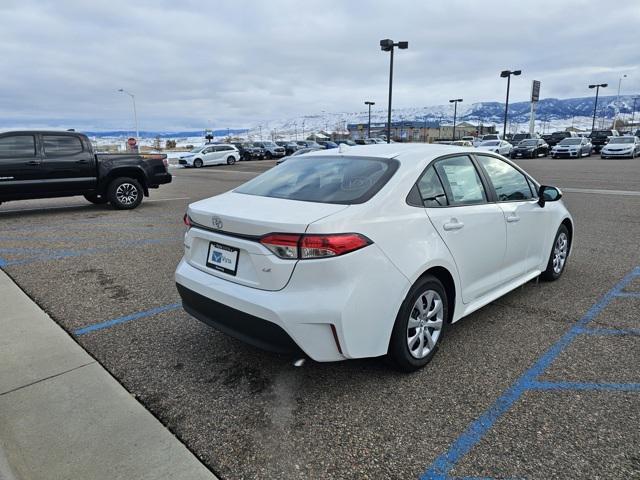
point(558, 258)
point(125, 193)
point(419, 325)
point(197, 163)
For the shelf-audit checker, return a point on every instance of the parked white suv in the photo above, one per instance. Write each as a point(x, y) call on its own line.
point(370, 252)
point(210, 154)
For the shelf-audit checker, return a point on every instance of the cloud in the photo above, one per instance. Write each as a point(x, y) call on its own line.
point(234, 64)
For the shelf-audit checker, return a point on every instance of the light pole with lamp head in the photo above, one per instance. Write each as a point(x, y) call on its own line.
point(507, 74)
point(455, 112)
point(369, 126)
point(388, 45)
point(135, 114)
point(595, 105)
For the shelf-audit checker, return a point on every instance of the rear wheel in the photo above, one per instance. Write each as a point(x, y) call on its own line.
point(97, 199)
point(197, 163)
point(125, 193)
point(419, 325)
point(231, 160)
point(558, 258)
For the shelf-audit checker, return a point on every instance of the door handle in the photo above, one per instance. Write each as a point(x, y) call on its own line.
point(513, 218)
point(33, 162)
point(453, 224)
point(82, 161)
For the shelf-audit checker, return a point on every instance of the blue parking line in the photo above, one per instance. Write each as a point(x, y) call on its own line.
point(608, 331)
point(629, 294)
point(478, 429)
point(620, 387)
point(128, 318)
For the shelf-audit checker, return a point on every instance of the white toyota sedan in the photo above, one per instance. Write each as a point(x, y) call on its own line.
point(370, 250)
point(501, 147)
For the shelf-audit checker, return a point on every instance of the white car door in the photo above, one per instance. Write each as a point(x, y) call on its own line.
point(472, 228)
point(505, 148)
point(208, 155)
point(526, 222)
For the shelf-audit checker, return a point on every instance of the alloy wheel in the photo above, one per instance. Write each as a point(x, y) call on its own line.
point(425, 324)
point(127, 194)
point(560, 252)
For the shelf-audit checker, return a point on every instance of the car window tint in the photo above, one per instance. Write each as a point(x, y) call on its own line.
point(431, 190)
point(59, 145)
point(17, 146)
point(342, 180)
point(461, 181)
point(509, 183)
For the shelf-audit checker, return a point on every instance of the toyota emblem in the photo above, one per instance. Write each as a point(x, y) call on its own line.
point(217, 223)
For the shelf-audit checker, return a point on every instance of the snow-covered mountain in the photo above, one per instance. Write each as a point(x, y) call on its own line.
point(551, 114)
point(555, 113)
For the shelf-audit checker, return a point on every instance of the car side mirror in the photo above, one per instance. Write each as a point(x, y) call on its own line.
point(547, 193)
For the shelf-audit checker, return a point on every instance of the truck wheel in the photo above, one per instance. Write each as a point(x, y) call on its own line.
point(97, 199)
point(125, 193)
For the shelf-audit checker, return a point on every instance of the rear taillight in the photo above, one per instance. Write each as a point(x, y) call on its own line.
point(187, 220)
point(301, 247)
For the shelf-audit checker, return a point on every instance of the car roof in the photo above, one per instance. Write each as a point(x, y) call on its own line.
point(400, 151)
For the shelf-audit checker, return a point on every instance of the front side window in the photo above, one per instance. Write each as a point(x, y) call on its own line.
point(341, 180)
point(461, 181)
point(61, 145)
point(509, 183)
point(431, 190)
point(17, 146)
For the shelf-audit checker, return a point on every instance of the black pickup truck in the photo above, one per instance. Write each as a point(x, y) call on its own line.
point(43, 164)
point(599, 138)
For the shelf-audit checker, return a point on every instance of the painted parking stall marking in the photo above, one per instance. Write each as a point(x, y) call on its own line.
point(440, 468)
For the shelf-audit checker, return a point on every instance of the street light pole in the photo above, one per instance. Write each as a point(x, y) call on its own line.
point(615, 116)
point(388, 45)
point(369, 126)
point(507, 74)
point(595, 105)
point(135, 114)
point(455, 112)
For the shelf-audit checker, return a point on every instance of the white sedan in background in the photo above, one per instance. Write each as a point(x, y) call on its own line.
point(500, 147)
point(624, 146)
point(210, 154)
point(369, 252)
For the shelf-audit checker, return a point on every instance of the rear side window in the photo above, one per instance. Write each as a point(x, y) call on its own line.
point(59, 145)
point(341, 180)
point(17, 146)
point(509, 183)
point(431, 190)
point(461, 181)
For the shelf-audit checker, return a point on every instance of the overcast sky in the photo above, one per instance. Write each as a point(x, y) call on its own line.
point(193, 64)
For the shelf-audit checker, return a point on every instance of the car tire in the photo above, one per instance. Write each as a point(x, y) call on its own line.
point(125, 193)
point(197, 163)
point(96, 199)
point(559, 254)
point(231, 160)
point(408, 343)
point(268, 156)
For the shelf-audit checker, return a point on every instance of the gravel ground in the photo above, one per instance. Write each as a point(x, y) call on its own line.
point(249, 414)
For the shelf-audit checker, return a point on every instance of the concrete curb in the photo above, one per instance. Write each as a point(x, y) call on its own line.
point(63, 416)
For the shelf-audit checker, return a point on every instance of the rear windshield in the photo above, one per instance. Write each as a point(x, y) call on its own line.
point(341, 180)
point(600, 133)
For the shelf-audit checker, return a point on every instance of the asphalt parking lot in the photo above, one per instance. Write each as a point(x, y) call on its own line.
point(543, 383)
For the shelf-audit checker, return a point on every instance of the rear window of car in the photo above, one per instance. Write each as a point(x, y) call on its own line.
point(340, 180)
point(58, 145)
point(17, 146)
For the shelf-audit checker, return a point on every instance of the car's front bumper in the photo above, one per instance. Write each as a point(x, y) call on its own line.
point(622, 154)
point(331, 309)
point(565, 154)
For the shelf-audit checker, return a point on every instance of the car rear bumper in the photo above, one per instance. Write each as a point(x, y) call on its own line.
point(331, 309)
point(161, 178)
